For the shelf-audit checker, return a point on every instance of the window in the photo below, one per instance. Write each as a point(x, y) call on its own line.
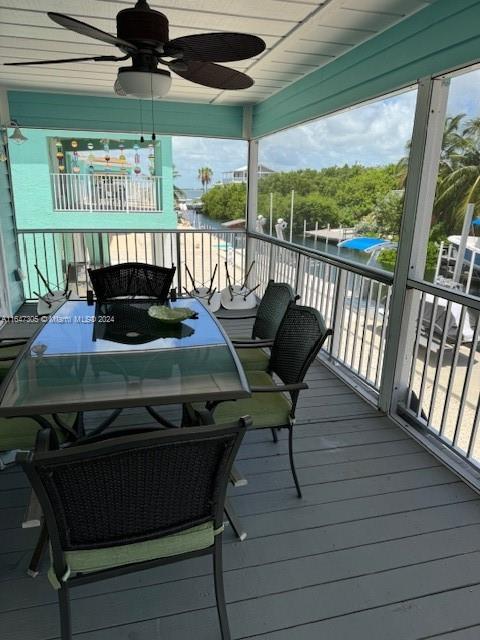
point(210, 181)
point(453, 254)
point(337, 183)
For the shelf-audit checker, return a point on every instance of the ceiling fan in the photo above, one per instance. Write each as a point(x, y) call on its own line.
point(142, 35)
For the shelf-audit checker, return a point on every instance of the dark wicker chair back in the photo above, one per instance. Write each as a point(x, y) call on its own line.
point(134, 488)
point(299, 338)
point(132, 279)
point(272, 307)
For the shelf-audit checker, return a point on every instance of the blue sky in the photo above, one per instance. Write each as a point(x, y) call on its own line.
point(373, 134)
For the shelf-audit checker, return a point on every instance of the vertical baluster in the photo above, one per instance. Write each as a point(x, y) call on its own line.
point(466, 385)
point(365, 322)
point(357, 326)
point(453, 368)
point(427, 355)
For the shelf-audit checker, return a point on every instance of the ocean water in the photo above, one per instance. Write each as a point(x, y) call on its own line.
point(201, 221)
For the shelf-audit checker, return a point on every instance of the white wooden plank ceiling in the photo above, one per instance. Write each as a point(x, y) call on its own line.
point(301, 35)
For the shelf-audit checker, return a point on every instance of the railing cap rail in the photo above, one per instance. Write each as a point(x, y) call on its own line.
point(342, 263)
point(109, 230)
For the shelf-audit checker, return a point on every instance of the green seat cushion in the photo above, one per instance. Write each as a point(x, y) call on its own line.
point(89, 560)
point(20, 433)
point(253, 359)
point(266, 409)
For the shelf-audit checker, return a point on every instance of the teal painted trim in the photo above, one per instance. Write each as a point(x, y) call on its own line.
point(438, 38)
point(7, 226)
point(93, 113)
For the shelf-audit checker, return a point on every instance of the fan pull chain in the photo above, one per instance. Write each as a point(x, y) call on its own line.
point(142, 139)
point(154, 137)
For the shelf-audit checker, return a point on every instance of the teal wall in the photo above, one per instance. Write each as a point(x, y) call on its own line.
point(30, 170)
point(8, 233)
point(79, 112)
point(441, 36)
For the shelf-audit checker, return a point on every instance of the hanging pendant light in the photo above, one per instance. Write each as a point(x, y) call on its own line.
point(17, 136)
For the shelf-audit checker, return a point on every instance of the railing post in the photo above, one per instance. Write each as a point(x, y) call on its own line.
point(127, 195)
point(300, 275)
point(179, 262)
point(89, 192)
point(416, 219)
point(339, 302)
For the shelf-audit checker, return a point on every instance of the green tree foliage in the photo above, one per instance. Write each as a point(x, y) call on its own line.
point(335, 195)
point(387, 214)
point(458, 175)
point(225, 201)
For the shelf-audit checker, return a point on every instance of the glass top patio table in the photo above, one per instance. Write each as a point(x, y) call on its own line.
point(113, 355)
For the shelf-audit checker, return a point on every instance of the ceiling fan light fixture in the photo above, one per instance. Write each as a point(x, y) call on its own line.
point(144, 84)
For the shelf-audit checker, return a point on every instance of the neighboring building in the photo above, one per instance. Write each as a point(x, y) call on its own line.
point(73, 181)
point(240, 175)
point(86, 180)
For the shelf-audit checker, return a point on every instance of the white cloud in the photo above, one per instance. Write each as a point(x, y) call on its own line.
point(373, 134)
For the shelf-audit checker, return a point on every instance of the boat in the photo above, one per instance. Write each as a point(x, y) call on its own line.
point(368, 244)
point(472, 249)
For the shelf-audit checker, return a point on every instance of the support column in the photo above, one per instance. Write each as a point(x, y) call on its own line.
point(252, 198)
point(412, 249)
point(5, 298)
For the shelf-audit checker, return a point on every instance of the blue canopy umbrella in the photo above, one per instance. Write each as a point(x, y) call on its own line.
point(364, 243)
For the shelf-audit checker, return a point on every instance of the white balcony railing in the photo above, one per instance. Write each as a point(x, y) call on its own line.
point(104, 192)
point(443, 387)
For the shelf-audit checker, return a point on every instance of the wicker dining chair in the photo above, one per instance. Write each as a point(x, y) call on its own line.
point(270, 312)
point(21, 433)
point(132, 279)
point(125, 503)
point(299, 338)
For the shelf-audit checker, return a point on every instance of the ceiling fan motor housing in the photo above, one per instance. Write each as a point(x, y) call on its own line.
point(142, 25)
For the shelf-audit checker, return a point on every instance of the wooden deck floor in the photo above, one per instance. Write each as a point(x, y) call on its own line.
point(385, 545)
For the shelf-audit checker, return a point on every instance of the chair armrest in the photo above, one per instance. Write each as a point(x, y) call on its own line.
point(6, 343)
point(250, 317)
point(298, 386)
point(252, 344)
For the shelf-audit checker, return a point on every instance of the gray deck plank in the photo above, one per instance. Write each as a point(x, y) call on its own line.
point(384, 545)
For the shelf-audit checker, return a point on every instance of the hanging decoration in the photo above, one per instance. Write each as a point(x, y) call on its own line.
point(137, 169)
point(74, 144)
point(90, 145)
point(106, 149)
point(60, 156)
point(122, 158)
point(151, 161)
point(75, 167)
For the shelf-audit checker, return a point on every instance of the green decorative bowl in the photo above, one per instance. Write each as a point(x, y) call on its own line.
point(170, 316)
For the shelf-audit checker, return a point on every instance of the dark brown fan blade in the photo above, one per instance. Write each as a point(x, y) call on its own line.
point(216, 47)
point(94, 58)
point(215, 75)
point(85, 29)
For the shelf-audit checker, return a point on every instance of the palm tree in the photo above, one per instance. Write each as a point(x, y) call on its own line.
point(459, 172)
point(205, 175)
point(178, 193)
point(458, 181)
